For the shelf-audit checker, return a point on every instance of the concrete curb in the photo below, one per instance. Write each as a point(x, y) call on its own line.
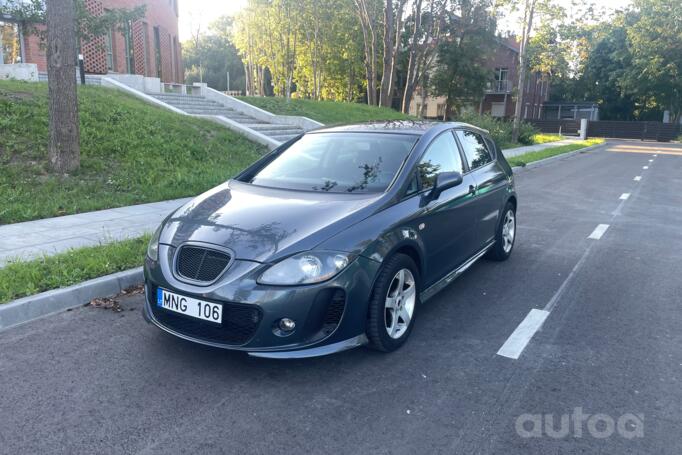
point(50, 302)
point(558, 157)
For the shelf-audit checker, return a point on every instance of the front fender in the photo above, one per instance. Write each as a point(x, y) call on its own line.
point(383, 233)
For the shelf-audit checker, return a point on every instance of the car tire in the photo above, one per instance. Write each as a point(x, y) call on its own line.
point(392, 304)
point(505, 236)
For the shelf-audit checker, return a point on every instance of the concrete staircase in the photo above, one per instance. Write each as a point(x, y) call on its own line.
point(199, 105)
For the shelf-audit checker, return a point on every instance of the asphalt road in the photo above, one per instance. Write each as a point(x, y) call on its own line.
point(609, 355)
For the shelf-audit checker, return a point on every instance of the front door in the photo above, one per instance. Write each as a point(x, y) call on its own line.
point(448, 224)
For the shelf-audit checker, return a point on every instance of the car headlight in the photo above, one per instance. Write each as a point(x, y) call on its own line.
point(306, 268)
point(153, 247)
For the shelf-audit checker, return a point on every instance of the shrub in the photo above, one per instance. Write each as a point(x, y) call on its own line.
point(500, 130)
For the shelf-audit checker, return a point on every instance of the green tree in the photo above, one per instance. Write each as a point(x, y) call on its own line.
point(213, 56)
point(311, 47)
point(461, 73)
point(655, 44)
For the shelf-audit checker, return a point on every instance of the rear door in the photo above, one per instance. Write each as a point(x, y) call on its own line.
point(447, 224)
point(490, 180)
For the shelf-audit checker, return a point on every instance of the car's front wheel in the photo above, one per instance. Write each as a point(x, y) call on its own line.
point(393, 305)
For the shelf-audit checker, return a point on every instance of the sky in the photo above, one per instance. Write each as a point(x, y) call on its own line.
point(199, 13)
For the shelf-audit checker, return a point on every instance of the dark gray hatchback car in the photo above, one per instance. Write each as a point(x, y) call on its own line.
point(333, 240)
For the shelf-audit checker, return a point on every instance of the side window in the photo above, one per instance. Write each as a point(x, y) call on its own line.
point(441, 156)
point(475, 149)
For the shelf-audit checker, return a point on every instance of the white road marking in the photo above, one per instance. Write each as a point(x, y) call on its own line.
point(638, 178)
point(655, 155)
point(651, 161)
point(624, 196)
point(598, 231)
point(518, 340)
point(645, 167)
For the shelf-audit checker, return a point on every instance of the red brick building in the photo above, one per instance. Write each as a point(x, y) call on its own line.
point(499, 99)
point(148, 47)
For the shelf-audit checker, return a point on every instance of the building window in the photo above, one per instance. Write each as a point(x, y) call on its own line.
point(440, 110)
point(129, 53)
point(501, 80)
point(157, 51)
point(109, 49)
point(175, 58)
point(145, 43)
point(172, 58)
point(10, 43)
point(497, 110)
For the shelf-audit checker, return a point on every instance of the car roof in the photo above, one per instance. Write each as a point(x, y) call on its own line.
point(414, 127)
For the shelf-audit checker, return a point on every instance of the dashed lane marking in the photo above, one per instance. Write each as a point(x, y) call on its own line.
point(598, 232)
point(519, 339)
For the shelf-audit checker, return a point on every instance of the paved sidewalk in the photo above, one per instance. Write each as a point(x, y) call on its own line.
point(509, 153)
point(53, 235)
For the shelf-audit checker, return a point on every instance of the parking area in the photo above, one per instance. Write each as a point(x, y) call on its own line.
point(573, 345)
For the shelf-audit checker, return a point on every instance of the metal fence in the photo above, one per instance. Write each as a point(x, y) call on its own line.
point(650, 131)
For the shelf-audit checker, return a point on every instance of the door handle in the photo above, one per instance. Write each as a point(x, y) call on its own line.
point(472, 189)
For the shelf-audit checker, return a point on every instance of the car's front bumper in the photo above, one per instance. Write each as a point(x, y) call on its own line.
point(319, 330)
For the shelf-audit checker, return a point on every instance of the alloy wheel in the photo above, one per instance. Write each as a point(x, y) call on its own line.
point(400, 302)
point(508, 231)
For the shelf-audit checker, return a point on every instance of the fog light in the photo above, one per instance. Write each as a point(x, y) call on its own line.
point(287, 325)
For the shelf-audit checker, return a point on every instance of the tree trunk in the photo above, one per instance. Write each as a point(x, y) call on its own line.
point(63, 144)
point(424, 94)
point(412, 64)
point(384, 94)
point(398, 26)
point(527, 26)
point(369, 39)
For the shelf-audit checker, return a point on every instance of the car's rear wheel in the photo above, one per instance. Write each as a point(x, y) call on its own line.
point(505, 235)
point(393, 305)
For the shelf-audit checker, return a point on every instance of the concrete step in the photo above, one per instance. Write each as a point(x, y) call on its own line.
point(206, 109)
point(283, 138)
point(186, 101)
point(276, 132)
point(273, 126)
point(178, 96)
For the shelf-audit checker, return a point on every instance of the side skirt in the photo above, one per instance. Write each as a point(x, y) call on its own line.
point(452, 276)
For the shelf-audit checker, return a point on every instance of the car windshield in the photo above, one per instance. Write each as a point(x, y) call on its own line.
point(338, 162)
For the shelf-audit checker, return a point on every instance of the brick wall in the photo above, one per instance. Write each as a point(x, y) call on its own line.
point(159, 13)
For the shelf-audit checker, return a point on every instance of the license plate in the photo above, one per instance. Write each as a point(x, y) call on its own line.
point(189, 306)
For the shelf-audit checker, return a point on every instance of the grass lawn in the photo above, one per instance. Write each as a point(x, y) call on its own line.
point(524, 159)
point(327, 112)
point(23, 278)
point(131, 153)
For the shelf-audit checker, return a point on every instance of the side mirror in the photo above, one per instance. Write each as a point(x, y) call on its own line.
point(445, 181)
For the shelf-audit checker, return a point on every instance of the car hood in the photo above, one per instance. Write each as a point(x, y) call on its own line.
point(264, 224)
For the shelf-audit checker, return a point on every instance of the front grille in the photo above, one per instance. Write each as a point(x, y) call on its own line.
point(238, 326)
point(201, 264)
